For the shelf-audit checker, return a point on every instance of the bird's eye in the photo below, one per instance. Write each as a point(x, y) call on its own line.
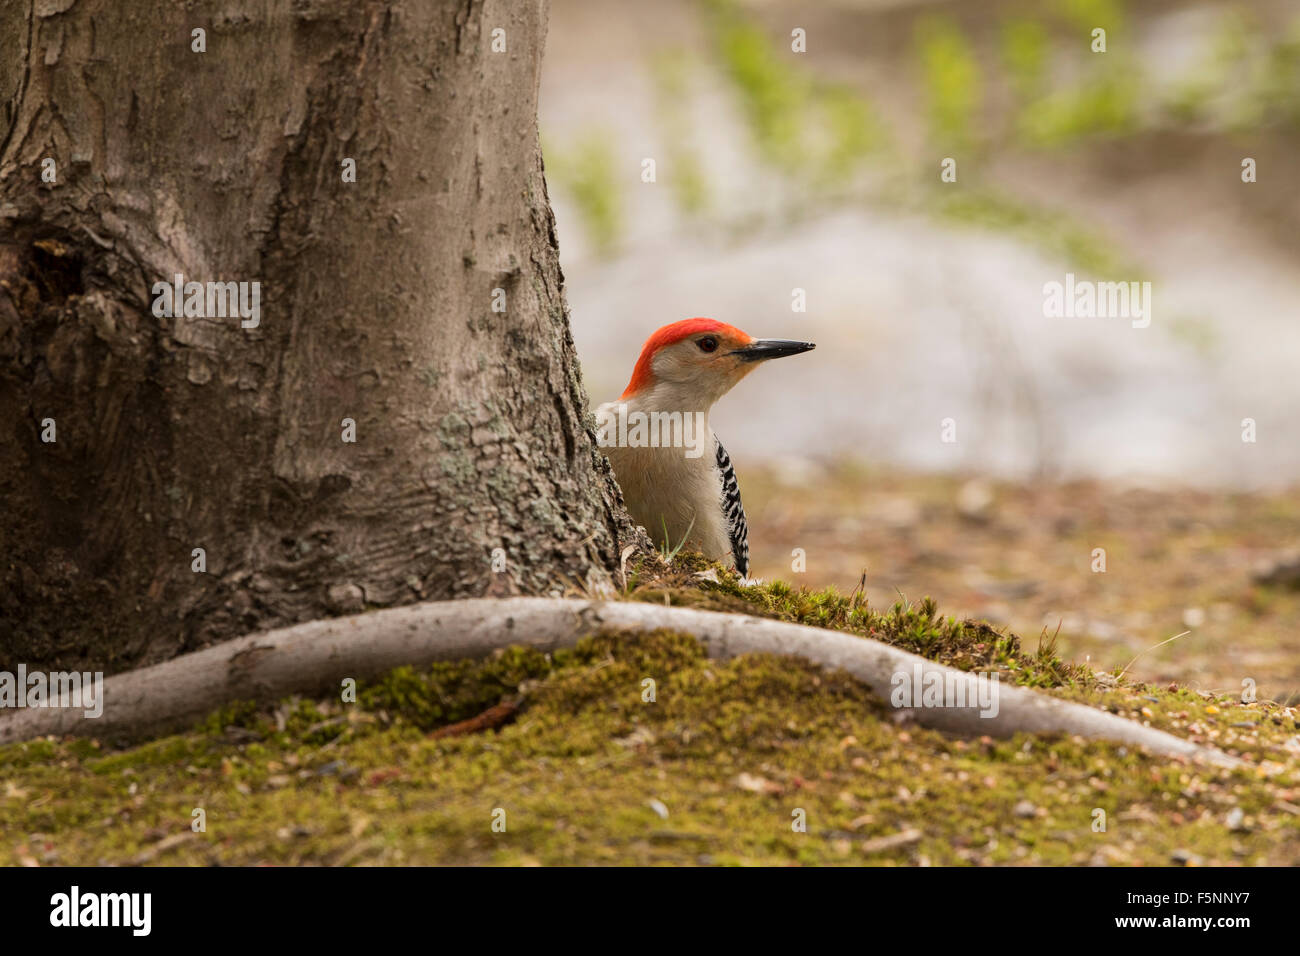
point(707, 344)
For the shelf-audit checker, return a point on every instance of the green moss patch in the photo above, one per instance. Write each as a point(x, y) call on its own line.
point(642, 750)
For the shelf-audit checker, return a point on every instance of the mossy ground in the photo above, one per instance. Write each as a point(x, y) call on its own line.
point(716, 770)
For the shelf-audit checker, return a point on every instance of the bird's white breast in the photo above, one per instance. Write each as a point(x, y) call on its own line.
point(674, 497)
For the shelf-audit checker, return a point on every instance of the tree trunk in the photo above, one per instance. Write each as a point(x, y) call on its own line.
point(376, 305)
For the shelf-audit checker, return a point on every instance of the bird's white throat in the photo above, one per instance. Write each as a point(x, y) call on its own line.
point(623, 425)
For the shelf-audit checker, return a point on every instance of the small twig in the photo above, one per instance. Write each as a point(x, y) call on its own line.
point(491, 719)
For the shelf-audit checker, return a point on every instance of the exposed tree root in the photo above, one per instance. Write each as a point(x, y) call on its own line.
point(316, 657)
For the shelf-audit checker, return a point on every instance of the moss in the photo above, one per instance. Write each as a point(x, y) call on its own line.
point(610, 735)
point(918, 628)
point(734, 751)
point(452, 691)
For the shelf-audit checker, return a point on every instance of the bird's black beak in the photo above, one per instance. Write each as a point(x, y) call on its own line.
point(760, 350)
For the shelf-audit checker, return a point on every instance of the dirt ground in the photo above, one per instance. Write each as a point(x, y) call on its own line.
point(1022, 556)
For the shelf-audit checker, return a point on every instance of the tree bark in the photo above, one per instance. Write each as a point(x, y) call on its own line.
point(186, 432)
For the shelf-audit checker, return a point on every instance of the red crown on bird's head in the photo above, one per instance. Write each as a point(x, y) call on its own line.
point(671, 334)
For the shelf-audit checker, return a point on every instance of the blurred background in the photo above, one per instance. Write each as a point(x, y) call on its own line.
point(816, 174)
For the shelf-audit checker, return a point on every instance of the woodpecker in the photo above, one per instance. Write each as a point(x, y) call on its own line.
point(685, 493)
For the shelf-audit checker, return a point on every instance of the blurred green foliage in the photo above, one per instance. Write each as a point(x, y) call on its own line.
point(670, 71)
point(854, 131)
point(773, 94)
point(587, 170)
point(829, 139)
point(1089, 14)
point(1052, 230)
point(812, 129)
point(1276, 92)
point(1106, 105)
point(950, 74)
point(1025, 49)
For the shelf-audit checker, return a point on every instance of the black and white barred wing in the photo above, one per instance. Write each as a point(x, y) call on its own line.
point(737, 529)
